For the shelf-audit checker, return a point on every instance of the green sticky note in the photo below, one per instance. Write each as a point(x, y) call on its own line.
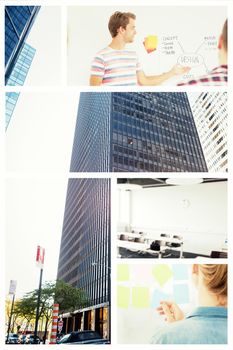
point(140, 297)
point(162, 274)
point(123, 296)
point(123, 272)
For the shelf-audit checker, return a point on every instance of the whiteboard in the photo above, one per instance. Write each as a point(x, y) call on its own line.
point(186, 34)
point(140, 288)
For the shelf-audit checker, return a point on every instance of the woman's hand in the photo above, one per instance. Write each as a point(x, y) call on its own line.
point(171, 311)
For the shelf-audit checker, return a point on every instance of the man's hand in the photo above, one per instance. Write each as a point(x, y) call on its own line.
point(180, 70)
point(171, 311)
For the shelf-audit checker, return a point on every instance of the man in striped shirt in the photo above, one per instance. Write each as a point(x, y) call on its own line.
point(219, 75)
point(114, 65)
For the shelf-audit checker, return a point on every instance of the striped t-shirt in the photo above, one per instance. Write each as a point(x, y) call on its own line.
point(116, 67)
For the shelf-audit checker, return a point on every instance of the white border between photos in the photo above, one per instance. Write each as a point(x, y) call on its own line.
point(64, 88)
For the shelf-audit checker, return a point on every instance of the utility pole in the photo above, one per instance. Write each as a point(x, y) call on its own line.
point(40, 263)
point(12, 291)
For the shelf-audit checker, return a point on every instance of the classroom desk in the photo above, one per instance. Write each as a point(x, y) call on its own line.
point(145, 247)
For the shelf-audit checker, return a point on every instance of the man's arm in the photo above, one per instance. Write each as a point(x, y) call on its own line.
point(95, 80)
point(159, 79)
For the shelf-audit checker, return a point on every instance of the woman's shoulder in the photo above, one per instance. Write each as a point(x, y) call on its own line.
point(193, 330)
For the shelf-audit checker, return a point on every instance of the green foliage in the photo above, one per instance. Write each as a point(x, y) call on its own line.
point(69, 299)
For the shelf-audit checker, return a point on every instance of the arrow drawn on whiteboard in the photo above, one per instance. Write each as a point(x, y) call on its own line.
point(180, 46)
point(199, 47)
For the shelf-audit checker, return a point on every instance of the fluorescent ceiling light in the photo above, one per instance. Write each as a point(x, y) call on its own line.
point(185, 181)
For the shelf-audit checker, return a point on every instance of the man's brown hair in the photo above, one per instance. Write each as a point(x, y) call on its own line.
point(117, 20)
point(224, 35)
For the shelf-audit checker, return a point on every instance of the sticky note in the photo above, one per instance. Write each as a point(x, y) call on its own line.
point(140, 297)
point(181, 293)
point(150, 43)
point(141, 274)
point(158, 296)
point(123, 296)
point(180, 272)
point(162, 274)
point(122, 272)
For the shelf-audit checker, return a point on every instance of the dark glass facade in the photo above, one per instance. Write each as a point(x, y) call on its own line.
point(92, 140)
point(136, 132)
point(84, 260)
point(18, 23)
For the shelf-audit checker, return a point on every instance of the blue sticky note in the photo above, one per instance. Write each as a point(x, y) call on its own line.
point(158, 296)
point(181, 293)
point(180, 272)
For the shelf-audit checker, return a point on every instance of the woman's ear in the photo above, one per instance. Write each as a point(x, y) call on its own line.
point(195, 268)
point(195, 274)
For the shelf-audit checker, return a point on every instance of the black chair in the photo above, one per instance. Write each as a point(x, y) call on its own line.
point(157, 246)
point(178, 244)
point(218, 254)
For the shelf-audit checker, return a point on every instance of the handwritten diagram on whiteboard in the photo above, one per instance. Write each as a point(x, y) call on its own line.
point(165, 35)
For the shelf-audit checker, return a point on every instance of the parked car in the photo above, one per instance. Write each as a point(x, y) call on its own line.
point(21, 339)
point(83, 337)
point(30, 339)
point(12, 338)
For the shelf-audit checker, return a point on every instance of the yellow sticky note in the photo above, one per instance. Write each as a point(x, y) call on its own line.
point(151, 43)
point(123, 272)
point(140, 297)
point(162, 274)
point(123, 296)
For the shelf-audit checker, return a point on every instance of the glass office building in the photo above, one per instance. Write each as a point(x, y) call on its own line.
point(22, 66)
point(17, 78)
point(136, 132)
point(18, 23)
point(84, 260)
point(11, 100)
point(210, 114)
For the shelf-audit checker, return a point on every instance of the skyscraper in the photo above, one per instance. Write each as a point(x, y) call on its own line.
point(136, 131)
point(18, 77)
point(18, 23)
point(84, 260)
point(210, 114)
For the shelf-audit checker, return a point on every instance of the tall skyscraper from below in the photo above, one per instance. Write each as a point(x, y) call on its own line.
point(11, 101)
point(136, 132)
point(84, 259)
point(17, 78)
point(210, 114)
point(18, 23)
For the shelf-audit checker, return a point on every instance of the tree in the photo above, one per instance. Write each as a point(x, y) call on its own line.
point(69, 299)
point(25, 308)
point(15, 321)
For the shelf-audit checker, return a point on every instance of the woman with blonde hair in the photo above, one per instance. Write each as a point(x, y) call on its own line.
point(206, 324)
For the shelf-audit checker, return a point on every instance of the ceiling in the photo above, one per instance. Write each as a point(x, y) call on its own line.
point(160, 182)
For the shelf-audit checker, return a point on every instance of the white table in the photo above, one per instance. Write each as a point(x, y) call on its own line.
point(148, 240)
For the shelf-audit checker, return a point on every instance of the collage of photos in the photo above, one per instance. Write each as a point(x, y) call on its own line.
point(116, 156)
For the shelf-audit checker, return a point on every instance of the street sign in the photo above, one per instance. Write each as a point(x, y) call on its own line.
point(12, 288)
point(40, 256)
point(60, 325)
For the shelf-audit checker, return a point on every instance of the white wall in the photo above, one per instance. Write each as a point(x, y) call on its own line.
point(124, 211)
point(88, 33)
point(198, 212)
